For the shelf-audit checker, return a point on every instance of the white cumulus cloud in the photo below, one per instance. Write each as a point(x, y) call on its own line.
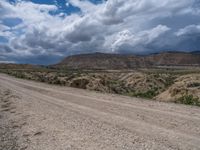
point(131, 26)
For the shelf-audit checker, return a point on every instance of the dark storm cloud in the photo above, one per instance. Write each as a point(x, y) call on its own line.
point(4, 49)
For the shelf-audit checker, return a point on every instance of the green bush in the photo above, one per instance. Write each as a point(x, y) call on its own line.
point(116, 87)
point(189, 100)
point(148, 94)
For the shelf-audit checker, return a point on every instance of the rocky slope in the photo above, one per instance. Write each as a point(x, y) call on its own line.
point(118, 61)
point(102, 61)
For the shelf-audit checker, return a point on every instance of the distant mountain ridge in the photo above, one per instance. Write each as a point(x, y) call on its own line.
point(120, 61)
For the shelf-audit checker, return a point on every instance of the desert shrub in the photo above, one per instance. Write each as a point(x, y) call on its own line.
point(148, 94)
point(195, 84)
point(80, 83)
point(19, 75)
point(59, 82)
point(188, 100)
point(116, 86)
point(169, 80)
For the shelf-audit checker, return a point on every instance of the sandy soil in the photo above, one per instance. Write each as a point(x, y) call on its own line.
point(37, 116)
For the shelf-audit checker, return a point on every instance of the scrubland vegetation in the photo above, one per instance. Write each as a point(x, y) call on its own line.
point(170, 85)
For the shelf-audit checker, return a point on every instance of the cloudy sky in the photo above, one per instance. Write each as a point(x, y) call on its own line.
point(45, 31)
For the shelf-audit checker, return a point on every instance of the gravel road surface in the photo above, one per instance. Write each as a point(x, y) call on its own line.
point(38, 116)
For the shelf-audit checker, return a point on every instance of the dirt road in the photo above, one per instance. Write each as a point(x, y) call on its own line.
point(46, 117)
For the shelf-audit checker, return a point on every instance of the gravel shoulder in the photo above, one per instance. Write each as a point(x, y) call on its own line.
point(11, 122)
point(45, 117)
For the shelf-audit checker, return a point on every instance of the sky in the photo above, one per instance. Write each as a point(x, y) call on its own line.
point(46, 31)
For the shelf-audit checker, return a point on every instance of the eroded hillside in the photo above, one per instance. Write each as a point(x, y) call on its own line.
point(182, 86)
point(185, 89)
point(120, 61)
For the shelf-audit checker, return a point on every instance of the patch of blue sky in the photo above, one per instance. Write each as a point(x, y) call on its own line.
point(97, 1)
point(65, 8)
point(11, 22)
point(63, 5)
point(3, 39)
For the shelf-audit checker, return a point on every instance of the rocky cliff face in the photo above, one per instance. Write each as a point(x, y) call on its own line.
point(118, 61)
